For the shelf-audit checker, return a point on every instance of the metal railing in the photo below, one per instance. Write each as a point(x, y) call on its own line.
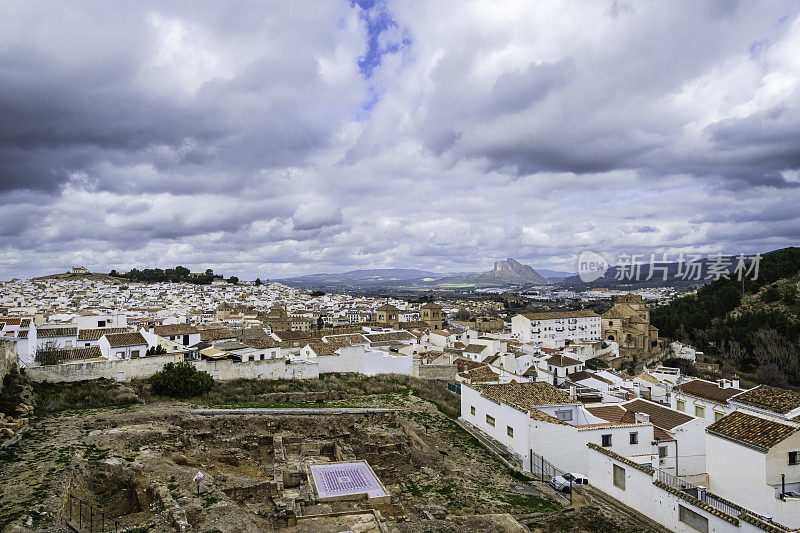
point(84, 517)
point(700, 493)
point(455, 388)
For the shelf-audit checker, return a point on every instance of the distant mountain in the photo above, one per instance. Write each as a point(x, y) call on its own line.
point(511, 271)
point(554, 274)
point(376, 276)
point(507, 272)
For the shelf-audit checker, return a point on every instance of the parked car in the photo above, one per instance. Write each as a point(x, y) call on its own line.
point(562, 482)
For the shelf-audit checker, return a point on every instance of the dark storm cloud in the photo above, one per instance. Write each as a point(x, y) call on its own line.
point(263, 139)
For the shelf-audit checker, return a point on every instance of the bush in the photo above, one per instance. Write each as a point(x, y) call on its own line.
point(772, 294)
point(181, 380)
point(595, 364)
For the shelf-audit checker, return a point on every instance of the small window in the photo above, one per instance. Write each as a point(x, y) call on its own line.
point(662, 451)
point(606, 441)
point(472, 410)
point(680, 405)
point(634, 437)
point(565, 414)
point(490, 420)
point(699, 411)
point(510, 431)
point(619, 477)
point(794, 458)
point(718, 415)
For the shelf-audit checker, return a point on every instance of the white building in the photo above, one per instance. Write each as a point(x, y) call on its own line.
point(705, 399)
point(552, 328)
point(123, 346)
point(679, 438)
point(185, 334)
point(537, 418)
point(753, 454)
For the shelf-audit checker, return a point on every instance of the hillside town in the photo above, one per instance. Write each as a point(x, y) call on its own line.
point(567, 395)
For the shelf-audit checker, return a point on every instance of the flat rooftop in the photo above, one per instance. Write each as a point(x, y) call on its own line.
point(334, 480)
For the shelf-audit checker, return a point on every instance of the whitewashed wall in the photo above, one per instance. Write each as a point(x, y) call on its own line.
point(654, 502)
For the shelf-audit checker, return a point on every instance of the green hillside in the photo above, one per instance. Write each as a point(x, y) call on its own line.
point(752, 326)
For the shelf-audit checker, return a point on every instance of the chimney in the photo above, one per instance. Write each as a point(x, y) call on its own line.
point(642, 418)
point(573, 392)
point(735, 382)
point(724, 383)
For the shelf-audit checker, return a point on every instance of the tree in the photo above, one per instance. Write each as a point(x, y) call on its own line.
point(233, 280)
point(181, 380)
point(315, 294)
point(156, 350)
point(258, 282)
point(320, 323)
point(771, 375)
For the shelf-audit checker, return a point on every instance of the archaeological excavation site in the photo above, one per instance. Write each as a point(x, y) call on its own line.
point(363, 463)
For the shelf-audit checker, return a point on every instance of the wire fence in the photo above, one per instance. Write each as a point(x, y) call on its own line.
point(544, 470)
point(83, 517)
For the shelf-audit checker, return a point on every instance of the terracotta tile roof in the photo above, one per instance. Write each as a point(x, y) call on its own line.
point(465, 364)
point(442, 332)
point(390, 336)
point(94, 334)
point(610, 412)
point(707, 390)
point(772, 399)
point(175, 329)
point(292, 335)
point(525, 396)
point(548, 315)
point(562, 360)
point(57, 332)
point(261, 342)
point(661, 435)
point(215, 334)
point(475, 348)
point(585, 374)
point(68, 354)
point(352, 338)
point(754, 430)
point(116, 340)
point(491, 359)
point(660, 416)
point(482, 374)
point(388, 307)
point(324, 348)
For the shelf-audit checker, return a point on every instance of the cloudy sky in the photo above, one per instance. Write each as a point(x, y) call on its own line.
point(259, 138)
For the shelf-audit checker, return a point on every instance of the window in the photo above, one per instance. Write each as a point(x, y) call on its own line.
point(635, 437)
point(510, 431)
point(794, 458)
point(619, 477)
point(606, 441)
point(718, 415)
point(680, 405)
point(134, 354)
point(564, 414)
point(472, 410)
point(662, 451)
point(699, 411)
point(692, 519)
point(101, 323)
point(490, 420)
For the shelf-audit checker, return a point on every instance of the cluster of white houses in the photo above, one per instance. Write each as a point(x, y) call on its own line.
point(735, 451)
point(707, 456)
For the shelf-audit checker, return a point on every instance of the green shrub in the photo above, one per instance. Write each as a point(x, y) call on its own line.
point(772, 294)
point(595, 364)
point(181, 380)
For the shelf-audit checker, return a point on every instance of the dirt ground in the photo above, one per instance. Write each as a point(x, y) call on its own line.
point(135, 465)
